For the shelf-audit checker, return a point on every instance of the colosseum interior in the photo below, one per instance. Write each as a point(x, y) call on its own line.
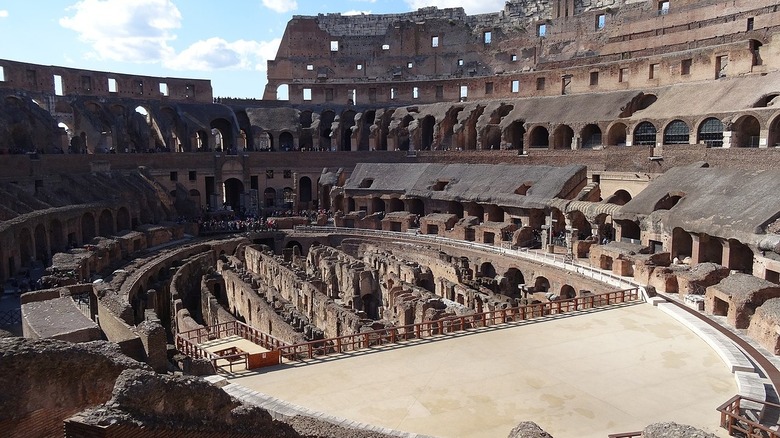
point(563, 216)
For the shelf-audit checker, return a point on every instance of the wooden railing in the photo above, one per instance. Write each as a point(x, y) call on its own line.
point(736, 423)
point(314, 349)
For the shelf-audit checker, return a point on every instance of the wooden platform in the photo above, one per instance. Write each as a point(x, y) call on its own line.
point(234, 349)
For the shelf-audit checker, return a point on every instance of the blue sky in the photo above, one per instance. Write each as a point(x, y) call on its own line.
point(228, 42)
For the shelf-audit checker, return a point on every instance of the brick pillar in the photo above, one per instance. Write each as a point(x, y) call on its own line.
point(725, 259)
point(695, 248)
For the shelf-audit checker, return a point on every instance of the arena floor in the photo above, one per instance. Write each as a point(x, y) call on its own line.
point(601, 372)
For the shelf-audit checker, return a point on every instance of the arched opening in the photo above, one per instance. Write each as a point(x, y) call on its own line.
point(541, 284)
point(567, 292)
point(487, 269)
point(25, 247)
point(491, 138)
point(563, 137)
point(620, 197)
point(773, 139)
point(56, 236)
point(350, 204)
point(667, 201)
point(224, 138)
point(591, 136)
point(395, 204)
point(469, 134)
point(539, 137)
point(711, 133)
point(106, 223)
point(201, 141)
point(426, 132)
point(384, 129)
point(377, 205)
point(581, 224)
point(682, 244)
point(746, 132)
point(515, 283)
point(41, 247)
point(710, 249)
point(402, 141)
point(517, 134)
point(325, 131)
point(368, 119)
point(283, 92)
point(617, 134)
point(194, 196)
point(644, 134)
point(347, 125)
point(87, 227)
point(494, 213)
point(286, 141)
point(456, 208)
point(295, 244)
point(123, 219)
point(629, 231)
point(416, 206)
point(740, 257)
point(269, 197)
point(233, 194)
point(677, 132)
point(304, 189)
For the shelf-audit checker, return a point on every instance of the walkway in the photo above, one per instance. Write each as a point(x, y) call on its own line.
point(597, 373)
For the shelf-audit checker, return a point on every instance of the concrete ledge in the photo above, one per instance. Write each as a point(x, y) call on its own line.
point(750, 385)
point(731, 355)
point(282, 410)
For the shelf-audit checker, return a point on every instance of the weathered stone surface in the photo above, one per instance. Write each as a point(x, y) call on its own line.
point(528, 429)
point(674, 430)
point(765, 325)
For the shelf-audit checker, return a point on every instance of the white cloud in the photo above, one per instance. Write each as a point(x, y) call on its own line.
point(120, 30)
point(470, 6)
point(281, 6)
point(218, 54)
point(3, 13)
point(356, 12)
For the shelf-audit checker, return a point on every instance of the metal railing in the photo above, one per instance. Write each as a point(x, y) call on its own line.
point(392, 335)
point(737, 423)
point(10, 317)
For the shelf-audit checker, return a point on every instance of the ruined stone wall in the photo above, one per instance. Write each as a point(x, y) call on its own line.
point(345, 278)
point(263, 308)
point(306, 293)
point(40, 80)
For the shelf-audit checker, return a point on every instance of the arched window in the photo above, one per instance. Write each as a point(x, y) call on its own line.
point(644, 134)
point(711, 133)
point(677, 132)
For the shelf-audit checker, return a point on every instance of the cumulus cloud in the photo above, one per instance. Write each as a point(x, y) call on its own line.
point(3, 13)
point(137, 31)
point(470, 6)
point(281, 6)
point(219, 54)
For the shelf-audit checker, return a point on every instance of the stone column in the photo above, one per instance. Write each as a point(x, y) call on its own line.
point(695, 248)
point(725, 258)
point(727, 136)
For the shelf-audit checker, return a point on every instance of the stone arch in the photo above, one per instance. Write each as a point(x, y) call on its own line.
point(106, 223)
point(403, 142)
point(325, 130)
point(620, 197)
point(41, 243)
point(384, 129)
point(515, 133)
point(677, 132)
point(567, 292)
point(486, 269)
point(123, 219)
point(194, 195)
point(740, 256)
point(347, 124)
point(368, 118)
point(56, 236)
point(87, 227)
point(456, 208)
point(26, 247)
point(304, 189)
point(377, 205)
point(539, 137)
point(447, 125)
point(581, 223)
point(415, 206)
point(491, 137)
point(225, 130)
point(541, 284)
point(645, 134)
point(427, 128)
point(394, 204)
point(668, 201)
point(591, 136)
point(470, 128)
point(286, 141)
point(563, 137)
point(283, 92)
point(617, 134)
point(295, 244)
point(515, 281)
point(710, 132)
point(746, 132)
point(269, 197)
point(200, 139)
point(234, 191)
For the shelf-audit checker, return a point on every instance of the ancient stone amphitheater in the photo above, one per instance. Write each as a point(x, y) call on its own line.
point(565, 212)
